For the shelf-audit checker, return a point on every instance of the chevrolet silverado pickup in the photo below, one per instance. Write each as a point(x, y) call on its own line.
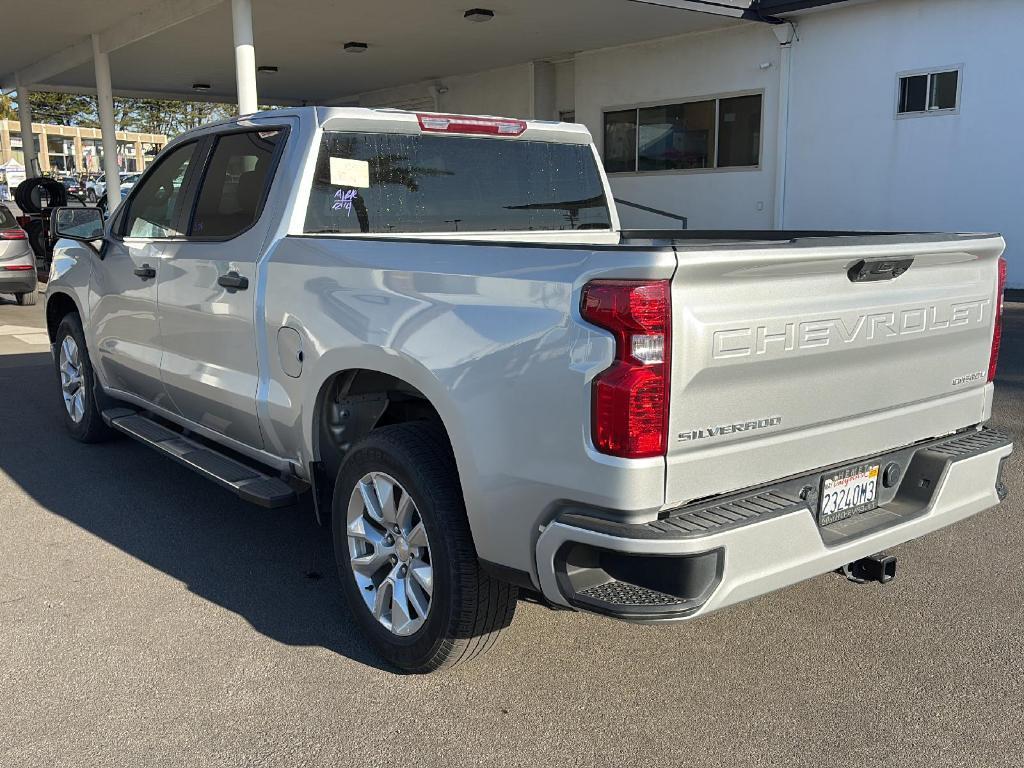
point(435, 327)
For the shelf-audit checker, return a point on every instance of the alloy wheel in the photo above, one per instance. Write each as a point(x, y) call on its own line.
point(389, 553)
point(72, 382)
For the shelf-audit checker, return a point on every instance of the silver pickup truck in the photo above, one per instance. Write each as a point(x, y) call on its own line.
point(435, 326)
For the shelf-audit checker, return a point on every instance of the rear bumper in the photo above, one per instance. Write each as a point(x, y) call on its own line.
point(18, 282)
point(707, 556)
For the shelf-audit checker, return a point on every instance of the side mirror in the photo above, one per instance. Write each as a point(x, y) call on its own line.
point(83, 224)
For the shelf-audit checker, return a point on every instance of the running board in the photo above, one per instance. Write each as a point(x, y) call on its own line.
point(249, 484)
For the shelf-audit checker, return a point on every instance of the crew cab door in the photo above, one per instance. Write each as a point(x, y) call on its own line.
point(207, 290)
point(145, 232)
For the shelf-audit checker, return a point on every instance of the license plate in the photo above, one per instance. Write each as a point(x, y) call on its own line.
point(848, 492)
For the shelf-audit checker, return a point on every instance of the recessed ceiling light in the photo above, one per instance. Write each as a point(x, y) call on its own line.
point(479, 14)
point(200, 86)
point(266, 68)
point(353, 47)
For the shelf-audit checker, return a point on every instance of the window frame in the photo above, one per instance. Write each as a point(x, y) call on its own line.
point(929, 72)
point(212, 140)
point(123, 211)
point(717, 99)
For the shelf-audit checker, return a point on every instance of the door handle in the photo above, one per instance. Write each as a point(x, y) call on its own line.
point(146, 272)
point(233, 281)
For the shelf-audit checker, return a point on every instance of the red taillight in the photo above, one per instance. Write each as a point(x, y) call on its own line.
point(18, 268)
point(13, 234)
point(489, 126)
point(630, 399)
point(997, 333)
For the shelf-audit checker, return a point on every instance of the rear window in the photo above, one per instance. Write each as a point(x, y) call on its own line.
point(7, 220)
point(377, 183)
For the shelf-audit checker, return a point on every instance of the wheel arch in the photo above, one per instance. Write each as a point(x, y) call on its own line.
point(59, 304)
point(352, 402)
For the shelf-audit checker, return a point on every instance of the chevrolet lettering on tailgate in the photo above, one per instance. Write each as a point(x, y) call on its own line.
point(775, 338)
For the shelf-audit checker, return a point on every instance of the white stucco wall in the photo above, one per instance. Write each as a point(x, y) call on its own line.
point(565, 86)
point(853, 164)
point(507, 92)
point(685, 67)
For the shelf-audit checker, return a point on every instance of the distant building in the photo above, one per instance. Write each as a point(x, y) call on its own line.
point(68, 149)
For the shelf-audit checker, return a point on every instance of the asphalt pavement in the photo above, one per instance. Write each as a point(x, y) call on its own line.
point(149, 618)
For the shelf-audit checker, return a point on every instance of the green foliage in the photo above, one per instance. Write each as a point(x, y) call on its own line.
point(64, 109)
point(169, 117)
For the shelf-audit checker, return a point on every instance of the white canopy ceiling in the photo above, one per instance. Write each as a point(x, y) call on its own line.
point(161, 47)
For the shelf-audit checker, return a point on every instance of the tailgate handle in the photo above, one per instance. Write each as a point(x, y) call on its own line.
point(880, 269)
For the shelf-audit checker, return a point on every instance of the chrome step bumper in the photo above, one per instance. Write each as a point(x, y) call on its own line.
point(714, 554)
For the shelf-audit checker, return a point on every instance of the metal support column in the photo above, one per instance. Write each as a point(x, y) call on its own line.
point(28, 144)
point(245, 55)
point(108, 130)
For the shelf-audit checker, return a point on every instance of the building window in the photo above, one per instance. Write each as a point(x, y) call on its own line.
point(693, 135)
point(61, 152)
point(929, 92)
point(17, 148)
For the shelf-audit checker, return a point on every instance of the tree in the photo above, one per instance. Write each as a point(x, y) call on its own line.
point(64, 109)
point(166, 116)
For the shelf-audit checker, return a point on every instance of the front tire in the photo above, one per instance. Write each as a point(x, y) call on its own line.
point(405, 555)
point(78, 385)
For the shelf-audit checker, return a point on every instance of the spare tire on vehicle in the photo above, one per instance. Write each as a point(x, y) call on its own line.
point(35, 194)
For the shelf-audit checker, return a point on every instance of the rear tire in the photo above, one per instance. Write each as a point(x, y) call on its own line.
point(78, 385)
point(466, 608)
point(26, 299)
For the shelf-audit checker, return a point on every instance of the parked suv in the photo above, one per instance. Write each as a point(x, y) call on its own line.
point(435, 325)
point(17, 261)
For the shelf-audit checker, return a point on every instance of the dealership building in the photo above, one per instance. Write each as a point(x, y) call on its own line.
point(795, 114)
point(76, 149)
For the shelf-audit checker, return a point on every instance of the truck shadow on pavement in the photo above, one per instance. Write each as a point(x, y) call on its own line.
point(274, 568)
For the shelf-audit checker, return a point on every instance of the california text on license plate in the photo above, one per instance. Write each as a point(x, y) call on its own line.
point(848, 492)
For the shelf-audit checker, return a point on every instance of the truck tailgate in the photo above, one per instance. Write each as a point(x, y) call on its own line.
point(784, 359)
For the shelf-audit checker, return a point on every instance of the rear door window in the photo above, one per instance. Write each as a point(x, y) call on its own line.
point(376, 183)
point(235, 183)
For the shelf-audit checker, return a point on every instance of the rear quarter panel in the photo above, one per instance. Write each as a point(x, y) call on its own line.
point(491, 335)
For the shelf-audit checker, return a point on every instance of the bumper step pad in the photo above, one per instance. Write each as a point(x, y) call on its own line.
point(246, 482)
point(711, 519)
point(621, 593)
